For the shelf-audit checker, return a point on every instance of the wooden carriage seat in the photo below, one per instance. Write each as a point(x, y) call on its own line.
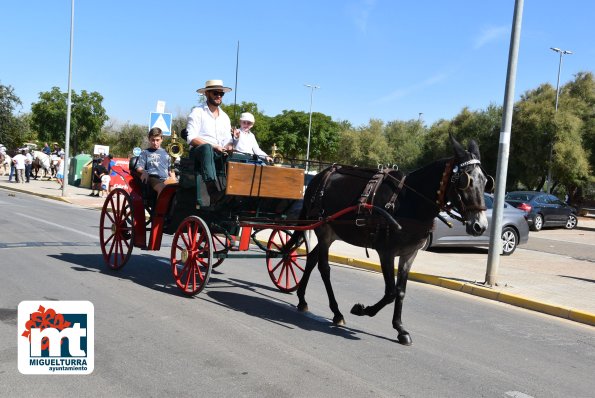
point(257, 180)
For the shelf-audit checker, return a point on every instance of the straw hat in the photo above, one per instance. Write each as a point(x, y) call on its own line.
point(214, 85)
point(247, 116)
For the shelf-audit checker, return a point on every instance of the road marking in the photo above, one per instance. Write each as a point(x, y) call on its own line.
point(56, 225)
point(517, 394)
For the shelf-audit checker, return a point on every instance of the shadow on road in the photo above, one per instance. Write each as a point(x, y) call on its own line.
point(578, 279)
point(143, 269)
point(151, 272)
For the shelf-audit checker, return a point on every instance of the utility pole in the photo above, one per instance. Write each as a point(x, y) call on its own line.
point(312, 87)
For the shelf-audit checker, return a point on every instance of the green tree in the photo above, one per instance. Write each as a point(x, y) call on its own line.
point(87, 118)
point(11, 133)
point(405, 142)
point(289, 131)
point(126, 138)
point(538, 131)
point(582, 97)
point(372, 145)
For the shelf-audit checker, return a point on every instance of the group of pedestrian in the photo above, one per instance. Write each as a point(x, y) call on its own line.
point(102, 172)
point(20, 167)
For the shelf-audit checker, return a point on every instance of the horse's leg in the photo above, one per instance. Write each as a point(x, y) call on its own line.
point(311, 262)
point(387, 264)
point(325, 272)
point(405, 262)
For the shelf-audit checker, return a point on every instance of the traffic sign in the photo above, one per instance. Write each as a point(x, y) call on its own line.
point(161, 120)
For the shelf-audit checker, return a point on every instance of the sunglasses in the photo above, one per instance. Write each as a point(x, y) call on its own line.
point(218, 93)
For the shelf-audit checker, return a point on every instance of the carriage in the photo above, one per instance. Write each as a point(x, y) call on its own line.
point(382, 209)
point(257, 196)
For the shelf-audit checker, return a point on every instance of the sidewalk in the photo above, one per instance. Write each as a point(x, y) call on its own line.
point(552, 284)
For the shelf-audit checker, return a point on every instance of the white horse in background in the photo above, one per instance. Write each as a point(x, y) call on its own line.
point(43, 161)
point(5, 162)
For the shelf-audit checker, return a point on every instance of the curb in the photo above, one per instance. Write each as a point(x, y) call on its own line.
point(58, 198)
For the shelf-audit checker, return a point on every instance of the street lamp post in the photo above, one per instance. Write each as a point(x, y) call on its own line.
point(312, 87)
point(549, 168)
point(68, 105)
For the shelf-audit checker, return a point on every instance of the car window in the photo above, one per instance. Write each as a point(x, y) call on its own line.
point(541, 199)
point(489, 201)
point(525, 197)
point(554, 200)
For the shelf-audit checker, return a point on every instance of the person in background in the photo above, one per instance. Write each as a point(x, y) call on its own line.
point(105, 183)
point(46, 149)
point(243, 140)
point(12, 153)
point(153, 162)
point(60, 172)
point(111, 164)
point(28, 164)
point(98, 171)
point(19, 165)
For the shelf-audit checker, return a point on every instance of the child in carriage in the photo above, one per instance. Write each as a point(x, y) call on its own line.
point(153, 162)
point(243, 140)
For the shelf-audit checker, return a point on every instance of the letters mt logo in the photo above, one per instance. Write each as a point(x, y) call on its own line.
point(56, 337)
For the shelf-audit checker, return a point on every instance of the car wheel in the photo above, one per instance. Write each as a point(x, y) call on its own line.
point(538, 223)
point(572, 221)
point(510, 240)
point(427, 243)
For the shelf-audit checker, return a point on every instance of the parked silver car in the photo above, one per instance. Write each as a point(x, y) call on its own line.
point(515, 230)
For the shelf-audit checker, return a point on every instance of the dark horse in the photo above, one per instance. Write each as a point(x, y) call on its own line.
point(396, 215)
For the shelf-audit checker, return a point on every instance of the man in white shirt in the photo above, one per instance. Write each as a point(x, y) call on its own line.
point(19, 165)
point(28, 164)
point(243, 140)
point(209, 129)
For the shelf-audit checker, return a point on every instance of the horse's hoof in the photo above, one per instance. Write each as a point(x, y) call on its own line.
point(358, 309)
point(404, 339)
point(338, 320)
point(302, 307)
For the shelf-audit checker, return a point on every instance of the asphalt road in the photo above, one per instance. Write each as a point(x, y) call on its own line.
point(242, 337)
point(554, 241)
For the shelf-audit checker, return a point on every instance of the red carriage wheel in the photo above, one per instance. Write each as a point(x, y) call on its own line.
point(285, 265)
point(116, 232)
point(220, 247)
point(192, 255)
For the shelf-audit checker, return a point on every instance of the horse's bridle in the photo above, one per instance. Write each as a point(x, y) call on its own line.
point(456, 179)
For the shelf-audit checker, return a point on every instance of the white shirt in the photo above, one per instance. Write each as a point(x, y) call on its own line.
point(203, 124)
point(19, 161)
point(246, 143)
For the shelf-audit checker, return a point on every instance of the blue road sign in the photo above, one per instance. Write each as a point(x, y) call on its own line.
point(161, 120)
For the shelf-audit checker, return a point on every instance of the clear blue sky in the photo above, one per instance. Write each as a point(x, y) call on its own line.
point(383, 59)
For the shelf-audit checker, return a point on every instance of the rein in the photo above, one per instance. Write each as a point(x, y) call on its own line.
point(452, 175)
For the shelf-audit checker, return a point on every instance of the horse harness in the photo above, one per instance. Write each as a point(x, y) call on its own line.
point(366, 200)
